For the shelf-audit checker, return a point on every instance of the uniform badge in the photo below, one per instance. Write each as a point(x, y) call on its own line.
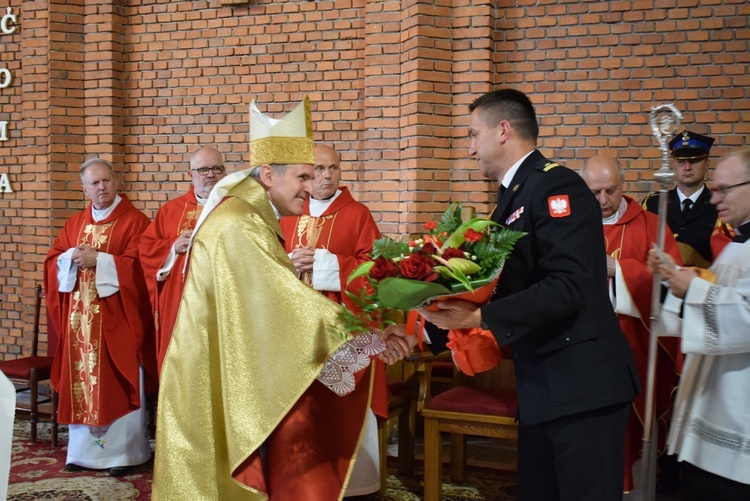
point(559, 206)
point(514, 216)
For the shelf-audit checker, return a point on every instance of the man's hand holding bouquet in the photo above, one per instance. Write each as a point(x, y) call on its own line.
point(454, 260)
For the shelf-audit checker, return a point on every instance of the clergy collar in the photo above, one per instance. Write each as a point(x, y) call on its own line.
point(508, 177)
point(742, 232)
point(614, 218)
point(201, 201)
point(318, 207)
point(693, 197)
point(102, 214)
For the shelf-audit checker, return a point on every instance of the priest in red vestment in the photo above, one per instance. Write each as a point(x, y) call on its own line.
point(326, 243)
point(629, 233)
point(97, 302)
point(165, 241)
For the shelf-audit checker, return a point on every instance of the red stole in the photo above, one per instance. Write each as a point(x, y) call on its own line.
point(103, 341)
point(172, 220)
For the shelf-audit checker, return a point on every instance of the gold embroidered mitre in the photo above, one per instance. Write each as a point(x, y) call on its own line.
point(285, 141)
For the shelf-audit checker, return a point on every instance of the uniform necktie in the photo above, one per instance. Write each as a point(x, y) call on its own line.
point(686, 205)
point(500, 191)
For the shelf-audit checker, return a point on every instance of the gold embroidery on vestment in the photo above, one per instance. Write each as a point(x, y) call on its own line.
point(85, 341)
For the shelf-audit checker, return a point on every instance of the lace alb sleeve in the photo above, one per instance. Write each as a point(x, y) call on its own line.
point(353, 356)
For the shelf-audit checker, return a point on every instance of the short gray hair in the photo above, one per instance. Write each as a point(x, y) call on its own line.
point(743, 155)
point(95, 161)
point(279, 168)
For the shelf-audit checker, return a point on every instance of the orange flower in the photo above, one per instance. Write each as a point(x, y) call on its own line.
point(472, 235)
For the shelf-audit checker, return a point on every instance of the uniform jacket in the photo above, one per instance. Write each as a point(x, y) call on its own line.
point(551, 305)
point(694, 230)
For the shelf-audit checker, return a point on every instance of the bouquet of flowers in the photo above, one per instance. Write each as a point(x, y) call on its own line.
point(454, 259)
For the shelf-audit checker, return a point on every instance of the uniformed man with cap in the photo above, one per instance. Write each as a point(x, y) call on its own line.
point(696, 226)
point(690, 214)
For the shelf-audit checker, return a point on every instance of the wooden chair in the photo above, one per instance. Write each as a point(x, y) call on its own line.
point(402, 404)
point(484, 405)
point(403, 392)
point(27, 372)
point(436, 375)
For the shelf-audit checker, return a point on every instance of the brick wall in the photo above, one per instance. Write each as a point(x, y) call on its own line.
point(145, 82)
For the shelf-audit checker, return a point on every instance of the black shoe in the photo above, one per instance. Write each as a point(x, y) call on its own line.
point(71, 467)
point(120, 471)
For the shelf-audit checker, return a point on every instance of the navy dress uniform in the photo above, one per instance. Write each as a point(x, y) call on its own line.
point(692, 223)
point(574, 368)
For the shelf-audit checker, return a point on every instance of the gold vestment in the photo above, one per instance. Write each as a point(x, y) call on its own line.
point(249, 339)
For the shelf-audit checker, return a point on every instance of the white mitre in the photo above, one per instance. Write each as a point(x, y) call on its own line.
point(283, 141)
point(272, 141)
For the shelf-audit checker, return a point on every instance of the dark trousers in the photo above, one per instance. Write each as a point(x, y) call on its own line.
point(701, 485)
point(574, 458)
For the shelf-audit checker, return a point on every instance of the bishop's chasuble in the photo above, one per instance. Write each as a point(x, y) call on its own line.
point(176, 217)
point(240, 371)
point(103, 341)
point(629, 241)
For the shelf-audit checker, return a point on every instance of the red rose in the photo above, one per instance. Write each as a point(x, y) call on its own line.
point(453, 252)
point(428, 248)
point(430, 225)
point(417, 267)
point(472, 235)
point(383, 268)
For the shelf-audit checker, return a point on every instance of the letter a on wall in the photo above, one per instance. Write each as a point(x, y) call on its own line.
point(5, 184)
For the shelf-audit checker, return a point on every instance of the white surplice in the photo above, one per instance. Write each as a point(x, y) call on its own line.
point(711, 422)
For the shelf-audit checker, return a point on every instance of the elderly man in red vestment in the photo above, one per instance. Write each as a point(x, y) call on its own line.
point(97, 302)
point(326, 243)
point(629, 233)
point(165, 241)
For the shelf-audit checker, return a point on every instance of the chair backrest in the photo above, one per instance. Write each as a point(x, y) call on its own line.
point(500, 377)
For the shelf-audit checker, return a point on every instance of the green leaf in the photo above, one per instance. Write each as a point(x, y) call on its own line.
point(457, 237)
point(405, 294)
point(462, 278)
point(451, 219)
point(473, 285)
point(362, 269)
point(389, 248)
point(465, 266)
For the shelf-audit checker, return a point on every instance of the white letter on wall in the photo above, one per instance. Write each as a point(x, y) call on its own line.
point(5, 184)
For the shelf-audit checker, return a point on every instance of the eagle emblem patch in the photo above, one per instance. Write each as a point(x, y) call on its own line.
point(559, 206)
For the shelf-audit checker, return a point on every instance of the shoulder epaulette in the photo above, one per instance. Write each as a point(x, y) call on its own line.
point(549, 166)
point(647, 197)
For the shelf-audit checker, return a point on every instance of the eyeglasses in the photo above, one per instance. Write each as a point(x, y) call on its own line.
point(723, 190)
point(203, 171)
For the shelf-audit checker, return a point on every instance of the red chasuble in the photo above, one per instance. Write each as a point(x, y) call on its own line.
point(629, 241)
point(345, 229)
point(172, 220)
point(102, 340)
